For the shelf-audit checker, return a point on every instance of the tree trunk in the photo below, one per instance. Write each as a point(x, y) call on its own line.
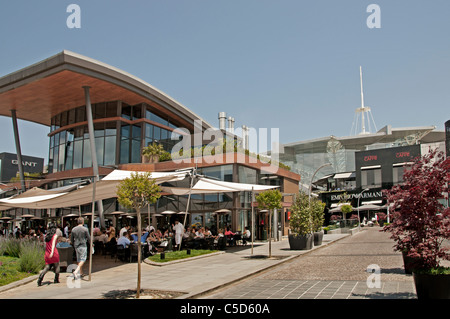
point(270, 233)
point(138, 289)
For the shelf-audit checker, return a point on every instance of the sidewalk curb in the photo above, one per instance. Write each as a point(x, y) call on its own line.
point(196, 295)
point(18, 283)
point(152, 263)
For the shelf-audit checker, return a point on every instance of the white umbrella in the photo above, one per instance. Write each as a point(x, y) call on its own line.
point(168, 212)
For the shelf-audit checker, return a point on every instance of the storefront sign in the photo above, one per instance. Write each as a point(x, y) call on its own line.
point(340, 197)
point(24, 163)
point(369, 158)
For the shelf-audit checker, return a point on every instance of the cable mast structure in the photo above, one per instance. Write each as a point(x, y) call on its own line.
point(363, 115)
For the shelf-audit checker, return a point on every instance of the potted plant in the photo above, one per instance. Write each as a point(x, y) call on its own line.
point(421, 223)
point(152, 153)
point(318, 217)
point(300, 237)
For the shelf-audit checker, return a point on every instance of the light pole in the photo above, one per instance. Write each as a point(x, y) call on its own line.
point(310, 187)
point(312, 178)
point(359, 197)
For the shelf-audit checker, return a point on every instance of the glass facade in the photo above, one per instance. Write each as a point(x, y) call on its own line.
point(116, 140)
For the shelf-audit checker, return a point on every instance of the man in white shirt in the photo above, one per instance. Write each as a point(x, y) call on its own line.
point(123, 230)
point(178, 228)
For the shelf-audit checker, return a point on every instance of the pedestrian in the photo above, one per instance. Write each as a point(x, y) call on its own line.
point(66, 230)
point(179, 231)
point(80, 238)
point(51, 255)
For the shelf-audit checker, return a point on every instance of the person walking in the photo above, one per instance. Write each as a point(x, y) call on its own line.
point(51, 254)
point(179, 231)
point(80, 238)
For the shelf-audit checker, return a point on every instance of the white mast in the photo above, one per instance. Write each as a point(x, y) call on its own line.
point(363, 109)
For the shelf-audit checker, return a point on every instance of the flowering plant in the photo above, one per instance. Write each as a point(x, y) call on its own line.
point(420, 222)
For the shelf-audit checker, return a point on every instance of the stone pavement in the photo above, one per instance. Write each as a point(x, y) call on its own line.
point(338, 271)
point(220, 276)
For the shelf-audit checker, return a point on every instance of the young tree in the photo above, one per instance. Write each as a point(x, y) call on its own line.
point(420, 222)
point(270, 199)
point(136, 192)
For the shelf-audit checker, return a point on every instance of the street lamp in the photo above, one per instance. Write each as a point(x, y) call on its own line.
point(359, 197)
point(310, 186)
point(312, 178)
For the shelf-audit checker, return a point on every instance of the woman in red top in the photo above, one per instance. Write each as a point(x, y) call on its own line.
point(51, 254)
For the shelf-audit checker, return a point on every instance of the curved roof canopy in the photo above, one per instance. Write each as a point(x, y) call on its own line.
point(42, 90)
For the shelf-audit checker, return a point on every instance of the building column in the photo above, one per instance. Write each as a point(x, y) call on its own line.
point(18, 151)
point(93, 149)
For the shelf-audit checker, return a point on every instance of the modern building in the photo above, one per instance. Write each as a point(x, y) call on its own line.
point(305, 157)
point(90, 105)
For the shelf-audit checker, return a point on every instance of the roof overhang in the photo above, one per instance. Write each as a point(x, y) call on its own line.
point(42, 90)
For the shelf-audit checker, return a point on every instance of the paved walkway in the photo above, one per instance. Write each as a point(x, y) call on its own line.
point(204, 277)
point(338, 271)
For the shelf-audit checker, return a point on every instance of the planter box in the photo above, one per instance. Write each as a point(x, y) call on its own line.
point(409, 262)
point(432, 286)
point(318, 237)
point(304, 242)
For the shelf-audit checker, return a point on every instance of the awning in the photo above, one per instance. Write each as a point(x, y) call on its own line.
point(207, 186)
point(344, 175)
point(105, 188)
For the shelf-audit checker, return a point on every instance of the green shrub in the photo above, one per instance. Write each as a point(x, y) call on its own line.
point(31, 257)
point(12, 247)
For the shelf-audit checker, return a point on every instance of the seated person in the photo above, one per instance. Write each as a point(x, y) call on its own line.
point(207, 232)
point(230, 235)
point(124, 241)
point(246, 235)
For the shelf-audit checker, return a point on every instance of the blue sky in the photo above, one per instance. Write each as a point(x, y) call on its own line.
point(287, 64)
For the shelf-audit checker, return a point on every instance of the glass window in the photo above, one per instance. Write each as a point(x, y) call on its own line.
point(149, 130)
point(62, 137)
point(110, 128)
point(247, 175)
point(99, 129)
point(80, 114)
point(111, 109)
point(79, 131)
point(371, 178)
point(77, 154)
point(110, 150)
point(157, 133)
point(223, 172)
point(55, 158)
point(397, 173)
point(71, 119)
point(64, 118)
point(136, 134)
point(137, 112)
point(126, 111)
point(125, 132)
point(69, 156)
point(99, 147)
point(135, 151)
point(124, 151)
point(87, 158)
point(99, 110)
